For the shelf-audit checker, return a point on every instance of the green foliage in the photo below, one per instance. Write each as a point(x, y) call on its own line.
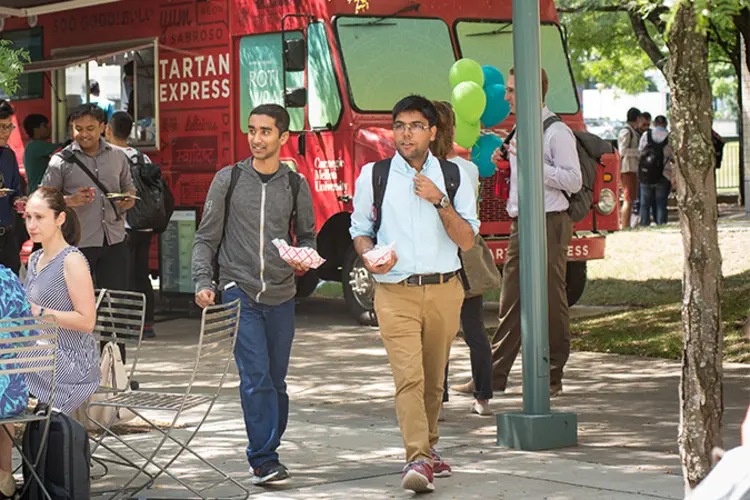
point(11, 65)
point(603, 48)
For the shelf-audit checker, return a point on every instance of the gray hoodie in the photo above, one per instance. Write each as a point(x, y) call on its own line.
point(260, 212)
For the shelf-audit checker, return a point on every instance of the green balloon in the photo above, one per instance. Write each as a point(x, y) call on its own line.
point(469, 101)
point(466, 133)
point(466, 70)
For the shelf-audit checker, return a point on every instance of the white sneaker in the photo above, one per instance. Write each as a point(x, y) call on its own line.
point(482, 409)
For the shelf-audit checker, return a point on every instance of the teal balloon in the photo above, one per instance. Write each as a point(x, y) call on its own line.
point(481, 154)
point(469, 101)
point(492, 76)
point(497, 108)
point(466, 70)
point(466, 133)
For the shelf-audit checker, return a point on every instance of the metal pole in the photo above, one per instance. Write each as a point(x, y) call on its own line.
point(536, 428)
point(531, 214)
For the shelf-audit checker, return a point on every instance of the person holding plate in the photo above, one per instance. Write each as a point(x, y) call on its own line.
point(86, 171)
point(10, 192)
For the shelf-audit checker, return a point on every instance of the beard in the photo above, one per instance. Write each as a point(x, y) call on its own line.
point(414, 153)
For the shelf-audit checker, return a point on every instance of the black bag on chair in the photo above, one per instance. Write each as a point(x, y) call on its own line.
point(65, 464)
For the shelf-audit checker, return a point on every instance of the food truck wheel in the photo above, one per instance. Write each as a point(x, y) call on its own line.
point(576, 281)
point(359, 289)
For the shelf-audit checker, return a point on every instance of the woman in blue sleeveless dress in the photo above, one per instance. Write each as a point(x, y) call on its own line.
point(58, 282)
point(14, 395)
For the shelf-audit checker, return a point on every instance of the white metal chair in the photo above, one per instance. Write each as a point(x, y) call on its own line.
point(219, 325)
point(29, 345)
point(120, 317)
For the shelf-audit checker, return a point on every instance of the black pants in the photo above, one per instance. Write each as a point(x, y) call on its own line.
point(10, 251)
point(139, 244)
point(480, 351)
point(109, 269)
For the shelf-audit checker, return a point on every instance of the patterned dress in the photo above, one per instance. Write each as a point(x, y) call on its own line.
point(14, 395)
point(77, 368)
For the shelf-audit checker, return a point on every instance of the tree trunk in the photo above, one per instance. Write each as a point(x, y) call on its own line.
point(701, 406)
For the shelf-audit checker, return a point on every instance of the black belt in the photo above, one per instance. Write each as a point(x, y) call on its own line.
point(5, 230)
point(428, 279)
point(558, 212)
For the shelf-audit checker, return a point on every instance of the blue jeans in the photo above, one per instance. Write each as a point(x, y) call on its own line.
point(654, 197)
point(262, 351)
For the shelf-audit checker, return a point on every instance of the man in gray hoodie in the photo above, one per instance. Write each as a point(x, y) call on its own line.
point(268, 199)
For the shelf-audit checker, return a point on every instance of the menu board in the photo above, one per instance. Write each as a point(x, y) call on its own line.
point(176, 252)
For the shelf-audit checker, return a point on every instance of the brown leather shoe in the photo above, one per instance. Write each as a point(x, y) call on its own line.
point(555, 389)
point(467, 388)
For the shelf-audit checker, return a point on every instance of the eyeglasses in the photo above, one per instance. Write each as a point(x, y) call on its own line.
point(7, 128)
point(415, 127)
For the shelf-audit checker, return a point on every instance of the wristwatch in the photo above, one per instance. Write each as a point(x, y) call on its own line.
point(445, 202)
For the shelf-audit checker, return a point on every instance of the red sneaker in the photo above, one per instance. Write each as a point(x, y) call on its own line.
point(440, 467)
point(417, 477)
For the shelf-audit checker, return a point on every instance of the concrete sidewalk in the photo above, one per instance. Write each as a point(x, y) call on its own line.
point(343, 440)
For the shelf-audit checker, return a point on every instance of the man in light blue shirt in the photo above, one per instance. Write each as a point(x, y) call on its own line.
point(418, 297)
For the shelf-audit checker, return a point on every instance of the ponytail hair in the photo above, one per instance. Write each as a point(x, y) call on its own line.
point(71, 228)
point(442, 146)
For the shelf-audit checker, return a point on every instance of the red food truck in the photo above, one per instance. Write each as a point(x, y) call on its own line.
point(190, 71)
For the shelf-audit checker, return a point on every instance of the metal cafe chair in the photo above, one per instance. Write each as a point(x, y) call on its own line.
point(213, 358)
point(120, 317)
point(29, 345)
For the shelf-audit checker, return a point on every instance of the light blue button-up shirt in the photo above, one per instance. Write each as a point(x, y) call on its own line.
point(421, 242)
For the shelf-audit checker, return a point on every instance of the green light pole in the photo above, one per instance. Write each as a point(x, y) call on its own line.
point(536, 428)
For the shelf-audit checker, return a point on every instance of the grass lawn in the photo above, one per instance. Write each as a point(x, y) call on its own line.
point(643, 271)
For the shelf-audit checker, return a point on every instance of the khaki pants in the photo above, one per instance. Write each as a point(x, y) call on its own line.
point(418, 325)
point(507, 339)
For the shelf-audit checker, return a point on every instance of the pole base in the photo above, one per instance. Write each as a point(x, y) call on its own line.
point(523, 431)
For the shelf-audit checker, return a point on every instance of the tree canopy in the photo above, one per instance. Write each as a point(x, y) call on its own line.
point(617, 42)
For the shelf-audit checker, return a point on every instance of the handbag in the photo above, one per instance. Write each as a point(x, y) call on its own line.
point(481, 273)
point(114, 376)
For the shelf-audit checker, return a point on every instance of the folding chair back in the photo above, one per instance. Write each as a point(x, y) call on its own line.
point(120, 317)
point(219, 326)
point(29, 345)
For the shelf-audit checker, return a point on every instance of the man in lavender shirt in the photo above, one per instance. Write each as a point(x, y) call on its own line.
point(562, 177)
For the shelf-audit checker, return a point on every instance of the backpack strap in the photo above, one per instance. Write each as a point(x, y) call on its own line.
point(380, 172)
point(69, 156)
point(549, 121)
point(294, 182)
point(452, 178)
point(227, 202)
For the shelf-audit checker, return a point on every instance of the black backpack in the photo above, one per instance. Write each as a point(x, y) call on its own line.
point(590, 150)
point(65, 464)
point(156, 204)
point(651, 162)
point(294, 182)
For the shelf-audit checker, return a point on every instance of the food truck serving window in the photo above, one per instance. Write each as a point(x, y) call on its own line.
point(116, 77)
point(388, 58)
point(30, 86)
point(491, 42)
